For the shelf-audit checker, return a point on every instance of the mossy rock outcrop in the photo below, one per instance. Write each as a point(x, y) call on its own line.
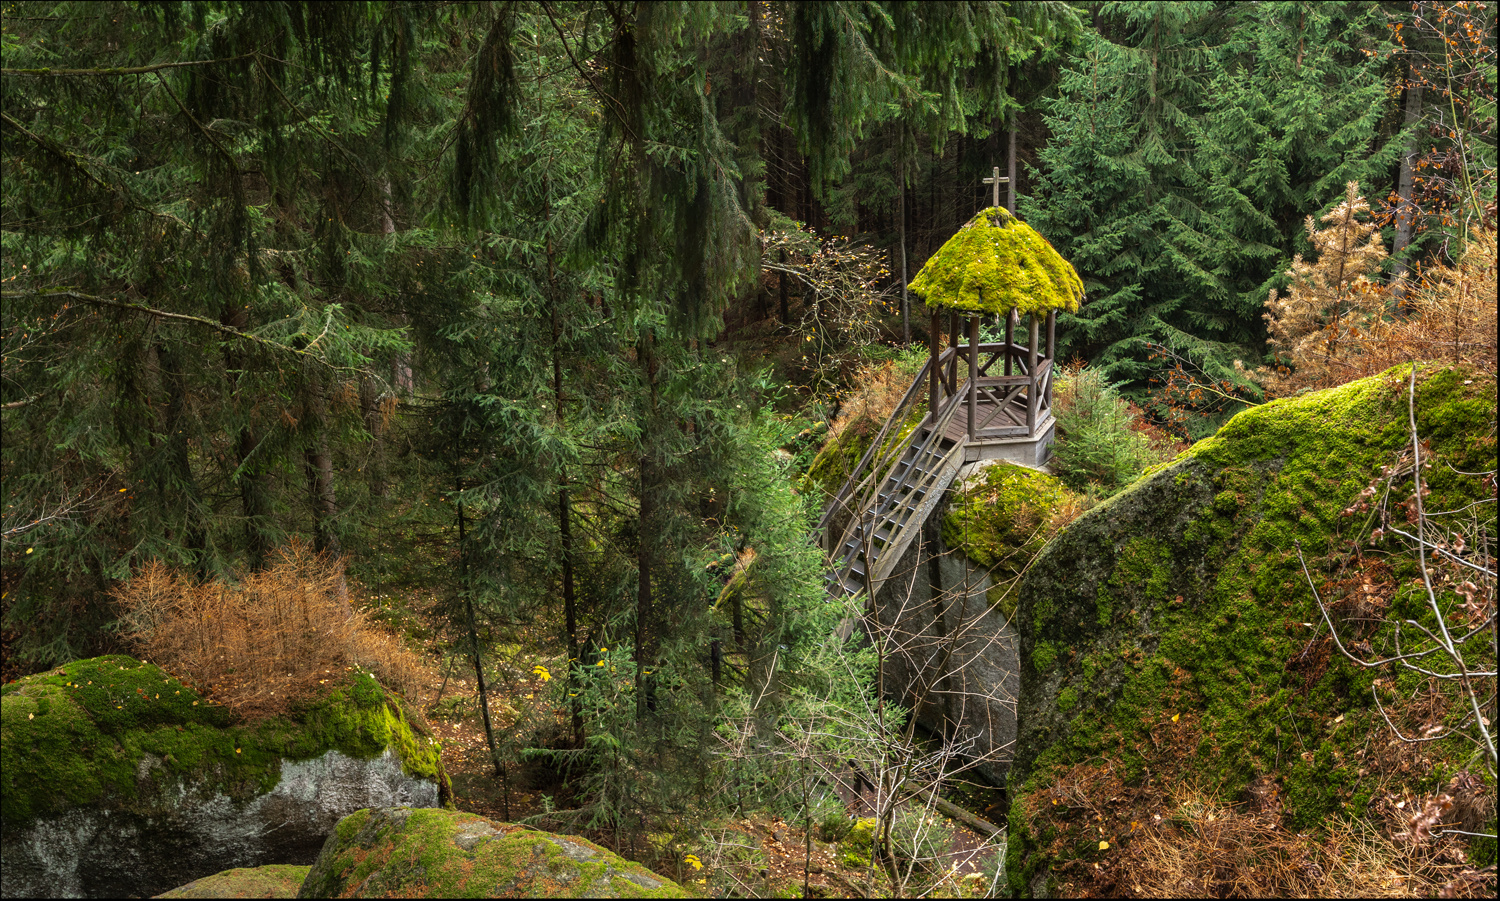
point(405, 853)
point(1169, 637)
point(269, 881)
point(120, 780)
point(1000, 518)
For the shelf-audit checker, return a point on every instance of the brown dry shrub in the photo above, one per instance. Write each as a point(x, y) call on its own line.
point(259, 645)
point(1211, 850)
point(1449, 316)
point(880, 387)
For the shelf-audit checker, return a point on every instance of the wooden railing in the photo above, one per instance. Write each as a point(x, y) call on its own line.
point(869, 467)
point(1005, 375)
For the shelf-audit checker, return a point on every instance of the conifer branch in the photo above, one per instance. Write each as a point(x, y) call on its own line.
point(67, 157)
point(119, 70)
point(624, 120)
point(180, 317)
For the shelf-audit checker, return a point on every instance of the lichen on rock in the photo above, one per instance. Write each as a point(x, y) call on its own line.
point(1169, 636)
point(402, 852)
point(997, 263)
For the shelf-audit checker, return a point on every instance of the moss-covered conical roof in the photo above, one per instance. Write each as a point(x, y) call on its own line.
point(997, 263)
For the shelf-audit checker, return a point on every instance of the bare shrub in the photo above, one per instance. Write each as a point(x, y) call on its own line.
point(1449, 317)
point(259, 645)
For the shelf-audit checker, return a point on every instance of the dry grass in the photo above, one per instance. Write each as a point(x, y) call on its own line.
point(1207, 849)
point(880, 388)
point(270, 640)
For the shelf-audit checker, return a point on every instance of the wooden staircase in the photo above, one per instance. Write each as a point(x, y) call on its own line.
point(888, 497)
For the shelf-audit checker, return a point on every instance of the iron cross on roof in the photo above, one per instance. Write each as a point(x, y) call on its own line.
point(997, 181)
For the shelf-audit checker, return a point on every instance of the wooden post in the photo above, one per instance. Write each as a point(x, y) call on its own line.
point(1031, 397)
point(953, 342)
point(1051, 353)
point(1010, 337)
point(973, 370)
point(934, 346)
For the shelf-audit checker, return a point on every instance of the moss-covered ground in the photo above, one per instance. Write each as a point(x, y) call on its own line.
point(79, 734)
point(1170, 637)
point(269, 881)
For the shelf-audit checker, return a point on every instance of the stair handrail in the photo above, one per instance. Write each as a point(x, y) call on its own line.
point(879, 573)
point(857, 475)
point(935, 429)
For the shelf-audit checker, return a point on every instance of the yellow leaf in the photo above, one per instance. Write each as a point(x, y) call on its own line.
point(1104, 846)
point(31, 716)
point(1175, 716)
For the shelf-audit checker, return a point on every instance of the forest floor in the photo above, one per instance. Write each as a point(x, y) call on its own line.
point(756, 855)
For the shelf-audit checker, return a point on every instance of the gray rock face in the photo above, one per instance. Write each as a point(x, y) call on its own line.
point(953, 659)
point(102, 852)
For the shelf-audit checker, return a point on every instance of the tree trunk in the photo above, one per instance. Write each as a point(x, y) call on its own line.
point(369, 407)
point(180, 485)
point(646, 528)
point(318, 462)
point(1405, 209)
point(1010, 169)
point(250, 479)
point(565, 534)
point(476, 656)
point(901, 194)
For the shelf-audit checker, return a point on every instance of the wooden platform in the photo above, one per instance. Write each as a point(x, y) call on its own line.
point(1005, 437)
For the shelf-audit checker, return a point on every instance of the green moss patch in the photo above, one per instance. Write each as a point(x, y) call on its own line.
point(92, 729)
point(1001, 521)
point(997, 263)
point(271, 881)
point(401, 852)
point(1169, 636)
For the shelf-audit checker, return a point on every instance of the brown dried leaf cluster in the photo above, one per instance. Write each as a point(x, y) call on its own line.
point(273, 638)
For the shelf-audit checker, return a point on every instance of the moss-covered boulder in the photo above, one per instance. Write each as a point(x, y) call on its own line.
point(1169, 636)
point(1001, 518)
point(269, 881)
point(405, 853)
point(120, 780)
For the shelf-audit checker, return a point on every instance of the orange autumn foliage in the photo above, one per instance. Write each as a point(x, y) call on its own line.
point(260, 644)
